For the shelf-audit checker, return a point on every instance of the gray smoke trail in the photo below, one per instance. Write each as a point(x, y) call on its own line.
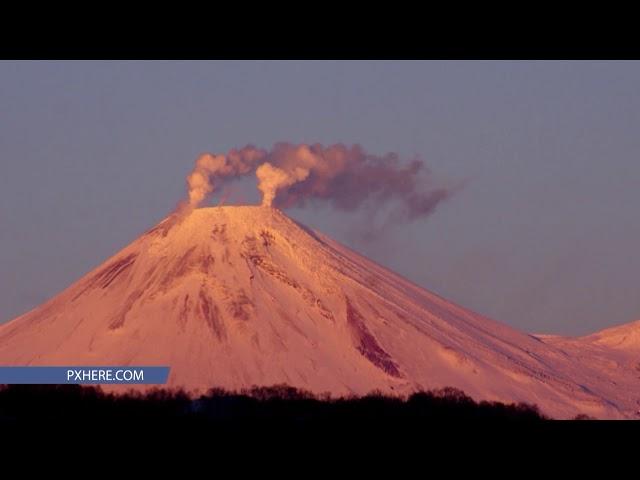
point(346, 178)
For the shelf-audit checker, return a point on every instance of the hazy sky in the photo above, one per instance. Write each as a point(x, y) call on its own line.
point(544, 235)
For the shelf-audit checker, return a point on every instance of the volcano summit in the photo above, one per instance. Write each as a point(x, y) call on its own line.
point(239, 296)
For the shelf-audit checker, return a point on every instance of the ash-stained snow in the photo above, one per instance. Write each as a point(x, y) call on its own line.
point(239, 296)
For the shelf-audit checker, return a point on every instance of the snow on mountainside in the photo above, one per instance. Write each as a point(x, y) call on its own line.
point(624, 338)
point(612, 356)
point(240, 296)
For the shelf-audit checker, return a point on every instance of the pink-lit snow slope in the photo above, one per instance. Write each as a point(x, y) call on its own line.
point(233, 297)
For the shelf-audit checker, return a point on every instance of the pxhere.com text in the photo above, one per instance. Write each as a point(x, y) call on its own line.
point(84, 375)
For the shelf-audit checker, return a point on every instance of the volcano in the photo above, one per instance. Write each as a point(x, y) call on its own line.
point(242, 296)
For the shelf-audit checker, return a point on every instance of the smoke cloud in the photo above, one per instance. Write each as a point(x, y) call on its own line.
point(344, 177)
point(271, 179)
point(211, 169)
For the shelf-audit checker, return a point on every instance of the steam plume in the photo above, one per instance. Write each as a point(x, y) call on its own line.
point(346, 178)
point(271, 179)
point(211, 168)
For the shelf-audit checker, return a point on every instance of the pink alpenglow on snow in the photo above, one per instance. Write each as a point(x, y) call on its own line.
point(234, 297)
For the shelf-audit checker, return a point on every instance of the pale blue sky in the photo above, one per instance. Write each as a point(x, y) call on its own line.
point(543, 236)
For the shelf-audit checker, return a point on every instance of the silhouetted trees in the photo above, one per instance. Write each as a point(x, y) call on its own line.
point(280, 406)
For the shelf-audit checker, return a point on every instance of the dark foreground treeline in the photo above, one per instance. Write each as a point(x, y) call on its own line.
point(280, 406)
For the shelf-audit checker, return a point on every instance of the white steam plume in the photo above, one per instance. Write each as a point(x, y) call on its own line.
point(344, 177)
point(271, 179)
point(210, 168)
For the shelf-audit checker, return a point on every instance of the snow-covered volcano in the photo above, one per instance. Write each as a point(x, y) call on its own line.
point(239, 296)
